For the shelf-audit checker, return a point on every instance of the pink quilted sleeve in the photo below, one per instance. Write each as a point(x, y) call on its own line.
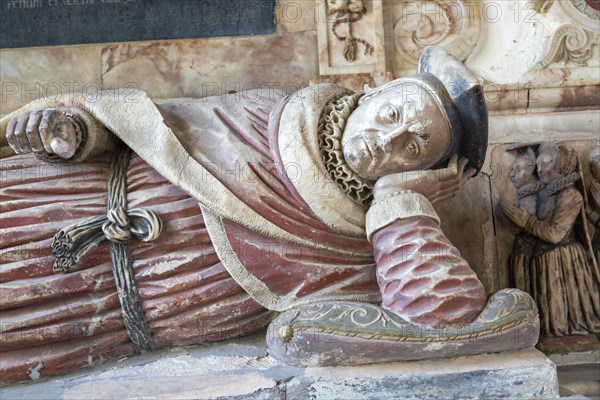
point(422, 276)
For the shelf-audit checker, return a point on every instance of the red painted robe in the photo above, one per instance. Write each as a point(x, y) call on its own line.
point(54, 323)
point(253, 225)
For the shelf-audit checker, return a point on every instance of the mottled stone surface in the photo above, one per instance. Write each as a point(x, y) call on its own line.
point(296, 15)
point(28, 74)
point(355, 82)
point(243, 370)
point(247, 385)
point(583, 380)
point(518, 375)
point(209, 67)
point(168, 69)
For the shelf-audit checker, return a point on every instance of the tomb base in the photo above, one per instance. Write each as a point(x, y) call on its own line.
point(244, 370)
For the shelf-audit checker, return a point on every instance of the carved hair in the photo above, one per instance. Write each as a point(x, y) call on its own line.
point(550, 148)
point(565, 158)
point(528, 155)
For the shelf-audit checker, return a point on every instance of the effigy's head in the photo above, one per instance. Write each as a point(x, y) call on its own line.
point(418, 122)
point(522, 168)
point(404, 125)
point(547, 161)
point(595, 163)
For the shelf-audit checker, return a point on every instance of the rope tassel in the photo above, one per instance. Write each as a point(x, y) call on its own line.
point(119, 225)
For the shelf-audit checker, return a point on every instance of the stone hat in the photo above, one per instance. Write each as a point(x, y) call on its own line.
point(470, 130)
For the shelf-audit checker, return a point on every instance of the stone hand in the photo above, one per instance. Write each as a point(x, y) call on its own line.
point(46, 132)
point(516, 214)
point(435, 185)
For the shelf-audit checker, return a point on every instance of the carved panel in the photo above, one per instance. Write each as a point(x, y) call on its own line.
point(454, 25)
point(541, 216)
point(572, 41)
point(350, 36)
point(358, 40)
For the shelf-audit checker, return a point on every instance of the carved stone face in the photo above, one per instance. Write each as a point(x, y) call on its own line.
point(401, 128)
point(520, 172)
point(546, 167)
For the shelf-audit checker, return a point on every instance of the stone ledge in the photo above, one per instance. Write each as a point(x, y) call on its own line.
point(244, 370)
point(513, 375)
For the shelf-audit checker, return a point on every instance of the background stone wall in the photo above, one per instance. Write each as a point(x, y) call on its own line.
point(169, 68)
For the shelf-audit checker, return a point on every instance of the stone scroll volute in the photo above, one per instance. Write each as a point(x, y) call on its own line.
point(453, 25)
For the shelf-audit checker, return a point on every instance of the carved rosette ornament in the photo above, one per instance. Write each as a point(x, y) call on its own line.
point(453, 25)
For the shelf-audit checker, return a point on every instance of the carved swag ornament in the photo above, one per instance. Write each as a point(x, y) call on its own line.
point(348, 12)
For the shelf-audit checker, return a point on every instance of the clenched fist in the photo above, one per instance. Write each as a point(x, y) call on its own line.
point(46, 132)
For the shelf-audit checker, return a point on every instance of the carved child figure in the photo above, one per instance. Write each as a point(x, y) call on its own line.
point(566, 284)
point(267, 204)
point(593, 212)
point(522, 176)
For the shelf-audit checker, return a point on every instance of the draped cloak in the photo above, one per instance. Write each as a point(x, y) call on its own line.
point(283, 230)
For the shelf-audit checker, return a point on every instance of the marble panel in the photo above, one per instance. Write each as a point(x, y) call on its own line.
point(31, 73)
point(507, 98)
point(218, 386)
point(575, 125)
point(366, 27)
point(564, 97)
point(540, 96)
point(209, 67)
point(525, 374)
point(296, 15)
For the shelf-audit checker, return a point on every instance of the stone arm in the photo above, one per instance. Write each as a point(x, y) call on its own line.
point(57, 134)
point(422, 277)
point(567, 208)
